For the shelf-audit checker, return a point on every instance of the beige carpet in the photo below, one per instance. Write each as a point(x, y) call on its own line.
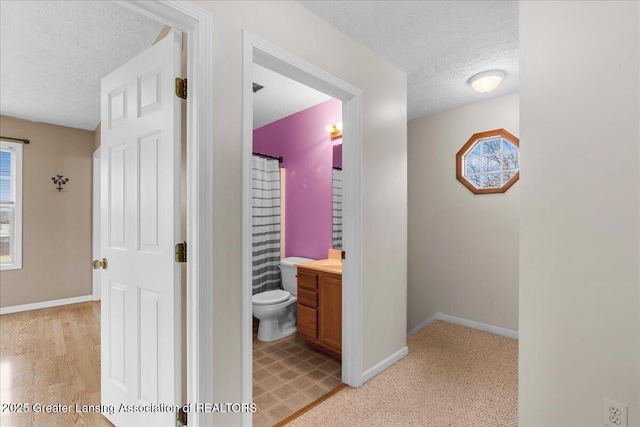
point(453, 376)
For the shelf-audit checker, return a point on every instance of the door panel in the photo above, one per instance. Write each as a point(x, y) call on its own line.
point(117, 192)
point(148, 211)
point(149, 93)
point(116, 337)
point(141, 319)
point(149, 348)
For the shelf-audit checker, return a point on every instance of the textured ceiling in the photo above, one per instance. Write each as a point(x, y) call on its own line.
point(439, 44)
point(280, 97)
point(54, 53)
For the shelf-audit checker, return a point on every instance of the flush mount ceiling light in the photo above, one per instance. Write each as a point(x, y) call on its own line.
point(486, 81)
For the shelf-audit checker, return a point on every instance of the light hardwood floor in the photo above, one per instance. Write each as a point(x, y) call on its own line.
point(51, 357)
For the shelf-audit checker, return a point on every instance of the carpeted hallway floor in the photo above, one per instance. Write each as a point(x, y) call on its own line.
point(453, 376)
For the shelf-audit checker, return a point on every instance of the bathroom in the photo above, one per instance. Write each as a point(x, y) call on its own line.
point(296, 195)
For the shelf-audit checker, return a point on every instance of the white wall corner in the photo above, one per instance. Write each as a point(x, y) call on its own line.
point(44, 304)
point(425, 323)
point(384, 364)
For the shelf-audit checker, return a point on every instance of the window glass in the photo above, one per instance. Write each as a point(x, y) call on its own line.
point(489, 162)
point(10, 205)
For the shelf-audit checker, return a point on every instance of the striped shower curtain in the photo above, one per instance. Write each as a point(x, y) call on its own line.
point(337, 209)
point(266, 224)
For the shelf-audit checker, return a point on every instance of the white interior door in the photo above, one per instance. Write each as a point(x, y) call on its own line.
point(140, 225)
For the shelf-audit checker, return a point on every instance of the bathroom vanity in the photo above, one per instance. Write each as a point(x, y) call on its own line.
point(320, 305)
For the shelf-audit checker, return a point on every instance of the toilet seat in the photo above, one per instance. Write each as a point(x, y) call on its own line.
point(270, 297)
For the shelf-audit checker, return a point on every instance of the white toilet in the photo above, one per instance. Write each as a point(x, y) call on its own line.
point(277, 310)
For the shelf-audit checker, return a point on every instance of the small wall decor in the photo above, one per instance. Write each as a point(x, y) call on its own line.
point(59, 180)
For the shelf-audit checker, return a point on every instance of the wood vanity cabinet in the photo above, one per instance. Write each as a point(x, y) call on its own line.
point(320, 310)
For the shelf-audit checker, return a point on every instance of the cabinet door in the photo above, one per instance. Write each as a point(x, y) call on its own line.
point(330, 311)
point(307, 322)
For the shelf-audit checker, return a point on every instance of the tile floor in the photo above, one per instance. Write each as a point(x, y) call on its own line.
point(288, 375)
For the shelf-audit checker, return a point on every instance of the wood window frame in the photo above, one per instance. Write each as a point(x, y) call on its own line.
point(470, 144)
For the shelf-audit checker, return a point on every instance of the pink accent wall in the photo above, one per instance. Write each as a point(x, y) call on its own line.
point(308, 152)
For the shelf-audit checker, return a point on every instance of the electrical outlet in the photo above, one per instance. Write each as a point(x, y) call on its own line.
point(615, 414)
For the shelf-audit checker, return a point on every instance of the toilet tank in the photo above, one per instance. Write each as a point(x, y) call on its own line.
point(288, 272)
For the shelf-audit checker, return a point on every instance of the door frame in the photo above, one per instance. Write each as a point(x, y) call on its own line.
point(261, 52)
point(197, 24)
point(95, 225)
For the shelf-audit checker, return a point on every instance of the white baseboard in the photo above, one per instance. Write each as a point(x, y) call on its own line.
point(468, 323)
point(45, 304)
point(375, 370)
point(425, 323)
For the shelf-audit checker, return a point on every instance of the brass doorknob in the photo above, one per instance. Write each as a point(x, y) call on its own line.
point(97, 264)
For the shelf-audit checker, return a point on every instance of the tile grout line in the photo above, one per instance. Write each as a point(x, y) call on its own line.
point(277, 353)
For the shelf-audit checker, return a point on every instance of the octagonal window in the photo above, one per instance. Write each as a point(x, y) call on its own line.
point(489, 162)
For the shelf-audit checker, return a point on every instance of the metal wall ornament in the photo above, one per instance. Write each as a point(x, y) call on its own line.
point(59, 180)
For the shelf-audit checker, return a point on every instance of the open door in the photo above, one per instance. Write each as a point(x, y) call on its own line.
point(140, 226)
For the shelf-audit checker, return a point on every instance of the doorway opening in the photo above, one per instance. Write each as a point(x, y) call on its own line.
point(296, 218)
point(258, 52)
point(196, 24)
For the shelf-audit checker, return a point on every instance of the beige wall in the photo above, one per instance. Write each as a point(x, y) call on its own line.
point(56, 257)
point(580, 216)
point(463, 248)
point(384, 121)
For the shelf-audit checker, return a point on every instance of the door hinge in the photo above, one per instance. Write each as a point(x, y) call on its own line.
point(181, 418)
point(343, 255)
point(181, 252)
point(181, 88)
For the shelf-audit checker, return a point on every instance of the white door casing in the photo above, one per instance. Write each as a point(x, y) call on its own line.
point(140, 224)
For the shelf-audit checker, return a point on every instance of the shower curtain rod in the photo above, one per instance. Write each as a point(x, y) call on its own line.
point(279, 159)
point(24, 141)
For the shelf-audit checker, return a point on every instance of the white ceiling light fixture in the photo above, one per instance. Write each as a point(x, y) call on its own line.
point(486, 81)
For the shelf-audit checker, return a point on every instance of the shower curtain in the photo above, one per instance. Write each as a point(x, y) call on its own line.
point(337, 209)
point(266, 224)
